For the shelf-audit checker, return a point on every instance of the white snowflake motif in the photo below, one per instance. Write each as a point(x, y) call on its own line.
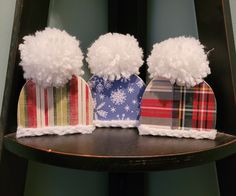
point(130, 89)
point(118, 97)
point(99, 88)
point(113, 109)
point(98, 111)
point(101, 96)
point(139, 84)
point(127, 108)
point(134, 101)
point(107, 84)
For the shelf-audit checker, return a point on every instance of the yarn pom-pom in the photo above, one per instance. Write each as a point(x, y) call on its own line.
point(115, 55)
point(51, 57)
point(182, 60)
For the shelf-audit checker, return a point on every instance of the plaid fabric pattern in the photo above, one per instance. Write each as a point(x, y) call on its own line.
point(176, 107)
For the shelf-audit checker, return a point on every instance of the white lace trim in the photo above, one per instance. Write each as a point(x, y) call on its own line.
point(192, 133)
point(57, 130)
point(116, 123)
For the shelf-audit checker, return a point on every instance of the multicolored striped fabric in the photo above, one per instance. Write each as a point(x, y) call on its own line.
point(66, 106)
point(178, 108)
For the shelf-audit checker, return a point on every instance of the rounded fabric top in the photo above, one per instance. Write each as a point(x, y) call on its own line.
point(178, 111)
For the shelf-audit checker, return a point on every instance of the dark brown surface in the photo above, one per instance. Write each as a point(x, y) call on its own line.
point(117, 149)
point(215, 31)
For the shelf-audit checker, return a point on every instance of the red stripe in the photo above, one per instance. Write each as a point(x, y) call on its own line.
point(87, 104)
point(156, 113)
point(156, 103)
point(203, 114)
point(207, 103)
point(73, 101)
point(31, 105)
point(210, 116)
point(46, 106)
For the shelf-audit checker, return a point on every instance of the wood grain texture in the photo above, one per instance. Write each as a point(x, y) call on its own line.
point(119, 150)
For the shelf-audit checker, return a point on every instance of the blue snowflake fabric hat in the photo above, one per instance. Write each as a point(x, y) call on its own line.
point(116, 103)
point(115, 59)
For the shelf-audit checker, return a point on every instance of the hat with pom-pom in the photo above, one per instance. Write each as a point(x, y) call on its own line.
point(115, 59)
point(178, 102)
point(54, 100)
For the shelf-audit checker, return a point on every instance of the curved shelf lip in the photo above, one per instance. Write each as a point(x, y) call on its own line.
point(128, 156)
point(120, 162)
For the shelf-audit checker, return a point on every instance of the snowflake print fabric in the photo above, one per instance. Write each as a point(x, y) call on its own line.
point(117, 103)
point(118, 97)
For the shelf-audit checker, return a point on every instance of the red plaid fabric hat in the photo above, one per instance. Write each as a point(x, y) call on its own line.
point(178, 111)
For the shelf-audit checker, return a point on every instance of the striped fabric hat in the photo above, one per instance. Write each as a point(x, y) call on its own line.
point(63, 110)
point(54, 100)
point(172, 110)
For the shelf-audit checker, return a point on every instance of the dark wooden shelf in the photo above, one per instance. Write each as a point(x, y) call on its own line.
point(116, 149)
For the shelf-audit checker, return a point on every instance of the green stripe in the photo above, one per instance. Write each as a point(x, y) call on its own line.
point(176, 103)
point(55, 106)
point(59, 106)
point(188, 105)
point(64, 104)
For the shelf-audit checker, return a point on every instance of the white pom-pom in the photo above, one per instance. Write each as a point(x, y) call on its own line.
point(182, 60)
point(115, 55)
point(51, 57)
